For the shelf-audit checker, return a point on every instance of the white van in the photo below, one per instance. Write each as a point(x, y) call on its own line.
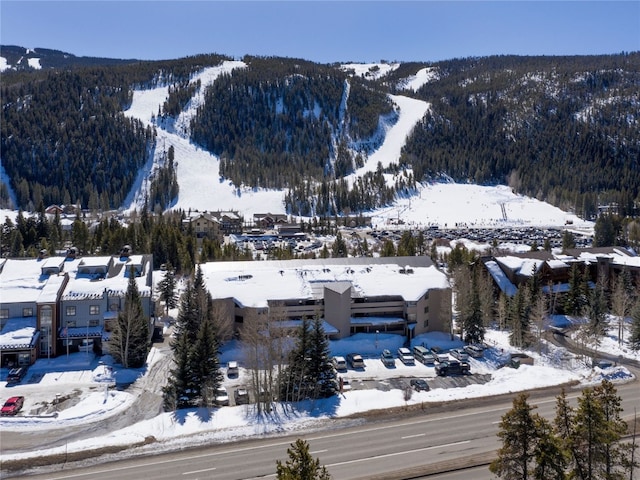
point(232, 369)
point(339, 363)
point(422, 354)
point(405, 356)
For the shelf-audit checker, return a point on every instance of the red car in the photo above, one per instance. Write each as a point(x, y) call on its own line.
point(12, 406)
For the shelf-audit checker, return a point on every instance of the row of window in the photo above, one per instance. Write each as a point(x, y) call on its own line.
point(70, 311)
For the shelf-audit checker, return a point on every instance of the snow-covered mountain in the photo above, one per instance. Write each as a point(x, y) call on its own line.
point(445, 204)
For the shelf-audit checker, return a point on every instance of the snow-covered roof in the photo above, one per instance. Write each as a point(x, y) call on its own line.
point(18, 333)
point(253, 284)
point(500, 278)
point(89, 286)
point(520, 265)
point(21, 281)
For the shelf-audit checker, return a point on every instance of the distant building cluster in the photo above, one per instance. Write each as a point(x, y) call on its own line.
point(510, 271)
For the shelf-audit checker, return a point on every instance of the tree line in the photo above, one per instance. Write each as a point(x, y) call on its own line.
point(524, 314)
point(560, 129)
point(547, 126)
point(64, 136)
point(585, 442)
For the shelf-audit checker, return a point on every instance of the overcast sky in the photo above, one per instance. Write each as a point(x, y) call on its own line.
point(323, 31)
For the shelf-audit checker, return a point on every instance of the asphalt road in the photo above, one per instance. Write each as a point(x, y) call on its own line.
point(439, 439)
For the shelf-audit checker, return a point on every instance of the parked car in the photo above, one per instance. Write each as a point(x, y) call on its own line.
point(387, 359)
point(86, 345)
point(12, 406)
point(474, 351)
point(439, 355)
point(419, 384)
point(460, 354)
point(339, 363)
point(355, 360)
point(423, 355)
point(16, 374)
point(241, 396)
point(232, 369)
point(405, 356)
point(222, 397)
point(452, 367)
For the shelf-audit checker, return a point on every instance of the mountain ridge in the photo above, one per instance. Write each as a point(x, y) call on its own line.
point(490, 121)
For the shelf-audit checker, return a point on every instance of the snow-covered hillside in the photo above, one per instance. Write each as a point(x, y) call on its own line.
point(202, 188)
point(444, 204)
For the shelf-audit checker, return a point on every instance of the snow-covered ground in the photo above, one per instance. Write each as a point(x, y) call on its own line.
point(82, 373)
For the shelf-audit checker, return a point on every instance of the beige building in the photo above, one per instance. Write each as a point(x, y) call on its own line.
point(404, 295)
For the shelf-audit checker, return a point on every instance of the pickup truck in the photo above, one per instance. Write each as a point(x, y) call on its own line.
point(452, 367)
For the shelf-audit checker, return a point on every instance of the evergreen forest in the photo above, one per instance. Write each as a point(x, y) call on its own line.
point(561, 129)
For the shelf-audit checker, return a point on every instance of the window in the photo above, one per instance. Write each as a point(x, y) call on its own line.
point(71, 311)
point(71, 323)
point(94, 322)
point(46, 316)
point(27, 312)
point(4, 313)
point(426, 309)
point(94, 310)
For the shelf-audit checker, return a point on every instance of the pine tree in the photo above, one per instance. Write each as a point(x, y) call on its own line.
point(573, 303)
point(195, 349)
point(301, 465)
point(595, 311)
point(205, 367)
point(615, 454)
point(550, 457)
point(309, 373)
point(167, 289)
point(178, 393)
point(592, 432)
point(293, 380)
point(129, 343)
point(339, 248)
point(529, 449)
point(321, 372)
point(634, 337)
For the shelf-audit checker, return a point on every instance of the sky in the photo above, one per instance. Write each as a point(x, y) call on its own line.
point(322, 31)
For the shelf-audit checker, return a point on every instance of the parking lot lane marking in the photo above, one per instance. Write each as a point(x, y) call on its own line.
point(199, 471)
point(319, 451)
point(413, 436)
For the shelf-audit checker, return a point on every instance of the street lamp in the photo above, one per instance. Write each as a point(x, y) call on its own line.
point(377, 332)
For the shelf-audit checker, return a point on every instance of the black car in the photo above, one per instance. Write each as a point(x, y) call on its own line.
point(419, 384)
point(16, 374)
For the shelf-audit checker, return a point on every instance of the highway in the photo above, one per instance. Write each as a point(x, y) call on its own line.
point(423, 444)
